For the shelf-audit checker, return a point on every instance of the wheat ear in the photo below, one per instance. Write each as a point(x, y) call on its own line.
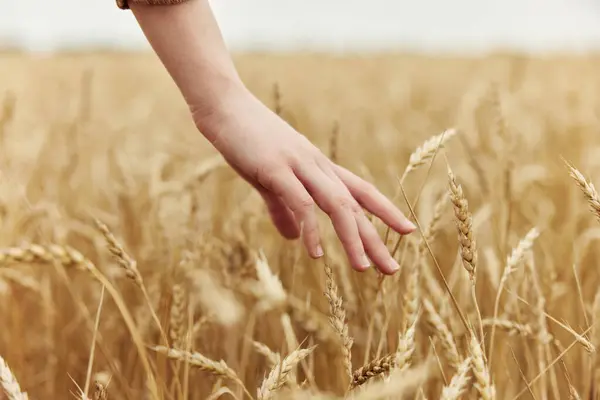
point(278, 375)
point(483, 381)
point(338, 318)
point(587, 188)
point(9, 383)
point(374, 368)
point(512, 262)
point(443, 333)
point(459, 382)
point(45, 254)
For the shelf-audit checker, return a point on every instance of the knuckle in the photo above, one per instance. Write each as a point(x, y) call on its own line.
point(343, 202)
point(305, 204)
point(268, 173)
point(347, 204)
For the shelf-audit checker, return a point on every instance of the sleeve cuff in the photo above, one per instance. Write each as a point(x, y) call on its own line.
point(124, 4)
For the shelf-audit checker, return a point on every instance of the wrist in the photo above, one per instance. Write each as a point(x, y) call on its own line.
point(215, 105)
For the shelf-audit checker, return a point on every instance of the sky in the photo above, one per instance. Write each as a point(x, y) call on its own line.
point(323, 25)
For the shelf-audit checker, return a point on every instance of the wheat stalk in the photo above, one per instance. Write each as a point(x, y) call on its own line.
point(270, 355)
point(45, 254)
point(406, 347)
point(460, 381)
point(419, 157)
point(278, 375)
point(374, 368)
point(587, 188)
point(338, 318)
point(177, 316)
point(9, 383)
point(123, 258)
point(100, 392)
point(411, 306)
point(464, 224)
point(512, 262)
point(203, 363)
point(483, 381)
point(431, 229)
point(466, 237)
point(443, 333)
point(129, 265)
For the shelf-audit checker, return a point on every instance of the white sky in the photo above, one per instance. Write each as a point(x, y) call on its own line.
point(463, 25)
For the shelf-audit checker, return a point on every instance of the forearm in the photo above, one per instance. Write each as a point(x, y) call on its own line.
point(188, 41)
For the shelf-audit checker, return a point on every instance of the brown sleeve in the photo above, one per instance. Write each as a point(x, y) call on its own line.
point(124, 4)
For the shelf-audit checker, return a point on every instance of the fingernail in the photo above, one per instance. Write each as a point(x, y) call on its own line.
point(364, 261)
point(393, 265)
point(410, 225)
point(319, 251)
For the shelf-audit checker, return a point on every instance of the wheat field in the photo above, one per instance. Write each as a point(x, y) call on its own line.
point(135, 264)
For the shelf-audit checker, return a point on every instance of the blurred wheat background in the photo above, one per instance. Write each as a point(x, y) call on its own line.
point(135, 264)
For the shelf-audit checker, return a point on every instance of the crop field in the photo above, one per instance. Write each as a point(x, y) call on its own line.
point(135, 264)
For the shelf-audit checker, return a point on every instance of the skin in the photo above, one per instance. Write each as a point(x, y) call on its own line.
point(292, 175)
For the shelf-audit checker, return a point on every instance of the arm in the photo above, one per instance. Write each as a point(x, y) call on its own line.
point(188, 42)
point(290, 173)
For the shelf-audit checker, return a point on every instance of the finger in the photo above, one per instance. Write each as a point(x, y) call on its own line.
point(373, 200)
point(375, 248)
point(301, 204)
point(373, 245)
point(334, 199)
point(282, 217)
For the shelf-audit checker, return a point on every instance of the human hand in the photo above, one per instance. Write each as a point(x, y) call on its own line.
point(292, 175)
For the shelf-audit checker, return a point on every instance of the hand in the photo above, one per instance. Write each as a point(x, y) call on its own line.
point(292, 176)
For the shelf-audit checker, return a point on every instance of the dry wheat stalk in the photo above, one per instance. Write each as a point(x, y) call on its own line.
point(100, 392)
point(338, 318)
point(596, 339)
point(270, 355)
point(573, 395)
point(178, 316)
point(426, 151)
point(375, 368)
point(464, 224)
point(541, 324)
point(35, 253)
point(278, 375)
point(419, 157)
point(268, 289)
point(9, 383)
point(512, 262)
point(483, 381)
point(431, 230)
point(20, 278)
point(199, 361)
point(406, 347)
point(398, 385)
point(412, 299)
point(129, 265)
point(466, 237)
point(123, 258)
point(411, 307)
point(587, 188)
point(443, 333)
point(511, 327)
point(460, 381)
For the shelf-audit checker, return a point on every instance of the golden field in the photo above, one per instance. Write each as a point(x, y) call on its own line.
point(188, 255)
